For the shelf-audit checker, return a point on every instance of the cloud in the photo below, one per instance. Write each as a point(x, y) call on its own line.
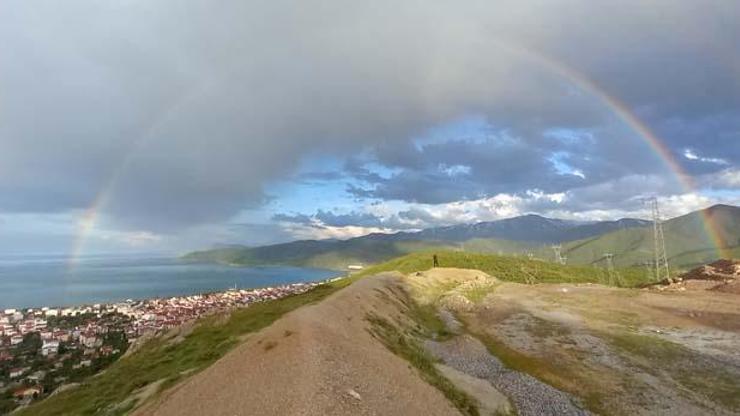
point(691, 155)
point(330, 219)
point(293, 218)
point(726, 179)
point(177, 114)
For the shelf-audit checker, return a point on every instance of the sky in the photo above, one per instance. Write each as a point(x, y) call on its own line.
point(134, 125)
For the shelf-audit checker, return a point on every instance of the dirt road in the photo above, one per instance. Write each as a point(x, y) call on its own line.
point(318, 360)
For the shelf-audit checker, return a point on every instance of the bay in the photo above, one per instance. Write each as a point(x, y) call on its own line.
point(37, 281)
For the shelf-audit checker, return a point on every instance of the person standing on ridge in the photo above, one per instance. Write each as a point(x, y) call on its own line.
point(435, 261)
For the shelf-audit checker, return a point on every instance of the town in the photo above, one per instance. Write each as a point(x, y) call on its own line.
point(42, 349)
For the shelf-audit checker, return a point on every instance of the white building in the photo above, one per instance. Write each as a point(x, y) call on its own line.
point(50, 347)
point(90, 340)
point(17, 372)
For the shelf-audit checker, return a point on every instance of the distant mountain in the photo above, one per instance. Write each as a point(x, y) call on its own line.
point(513, 235)
point(630, 240)
point(527, 228)
point(313, 253)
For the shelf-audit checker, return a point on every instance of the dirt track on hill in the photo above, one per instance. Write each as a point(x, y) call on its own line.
point(318, 360)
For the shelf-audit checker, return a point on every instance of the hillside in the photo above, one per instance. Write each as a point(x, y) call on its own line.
point(511, 269)
point(686, 241)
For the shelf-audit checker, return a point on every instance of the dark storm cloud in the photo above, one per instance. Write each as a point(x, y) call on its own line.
point(179, 112)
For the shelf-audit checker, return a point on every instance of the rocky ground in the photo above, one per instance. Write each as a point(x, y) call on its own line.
point(530, 396)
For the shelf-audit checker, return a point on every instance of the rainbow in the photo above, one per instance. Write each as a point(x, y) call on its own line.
point(585, 84)
point(622, 111)
point(90, 217)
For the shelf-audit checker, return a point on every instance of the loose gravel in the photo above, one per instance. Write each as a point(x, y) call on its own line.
point(530, 396)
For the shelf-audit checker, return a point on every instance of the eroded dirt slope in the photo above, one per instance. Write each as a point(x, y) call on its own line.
point(318, 360)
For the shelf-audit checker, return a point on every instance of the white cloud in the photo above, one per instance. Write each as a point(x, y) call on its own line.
point(454, 170)
point(322, 232)
point(729, 178)
point(692, 155)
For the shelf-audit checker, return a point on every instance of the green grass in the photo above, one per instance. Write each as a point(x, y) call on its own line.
point(408, 348)
point(160, 359)
point(427, 318)
point(478, 293)
point(507, 268)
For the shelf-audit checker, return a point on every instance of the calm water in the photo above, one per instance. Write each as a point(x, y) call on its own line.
point(33, 281)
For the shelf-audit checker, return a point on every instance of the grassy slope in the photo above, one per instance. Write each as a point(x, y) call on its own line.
point(686, 239)
point(160, 360)
point(508, 268)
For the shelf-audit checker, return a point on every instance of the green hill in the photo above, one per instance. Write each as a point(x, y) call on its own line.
point(687, 243)
point(517, 269)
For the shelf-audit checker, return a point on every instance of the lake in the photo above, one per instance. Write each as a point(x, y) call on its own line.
point(36, 281)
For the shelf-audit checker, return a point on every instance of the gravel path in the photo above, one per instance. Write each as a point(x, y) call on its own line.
point(530, 396)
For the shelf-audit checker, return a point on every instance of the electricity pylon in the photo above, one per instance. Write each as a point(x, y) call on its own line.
point(558, 254)
point(659, 253)
point(614, 276)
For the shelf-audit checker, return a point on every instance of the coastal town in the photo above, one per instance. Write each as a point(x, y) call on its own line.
point(44, 348)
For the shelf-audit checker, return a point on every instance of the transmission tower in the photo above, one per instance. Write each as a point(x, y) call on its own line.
point(558, 254)
point(659, 252)
point(614, 276)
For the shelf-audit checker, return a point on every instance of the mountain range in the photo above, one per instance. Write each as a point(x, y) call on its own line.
point(630, 240)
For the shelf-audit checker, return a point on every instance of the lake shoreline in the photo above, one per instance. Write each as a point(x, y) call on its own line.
point(51, 282)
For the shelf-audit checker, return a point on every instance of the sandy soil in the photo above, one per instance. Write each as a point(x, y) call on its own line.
point(318, 360)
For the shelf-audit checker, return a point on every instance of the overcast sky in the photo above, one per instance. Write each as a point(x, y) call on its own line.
point(183, 124)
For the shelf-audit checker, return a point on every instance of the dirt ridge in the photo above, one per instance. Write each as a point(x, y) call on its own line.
point(318, 360)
